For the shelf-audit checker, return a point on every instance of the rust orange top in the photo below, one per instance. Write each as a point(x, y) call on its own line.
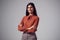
point(27, 22)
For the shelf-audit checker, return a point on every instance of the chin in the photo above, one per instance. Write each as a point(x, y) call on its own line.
point(30, 12)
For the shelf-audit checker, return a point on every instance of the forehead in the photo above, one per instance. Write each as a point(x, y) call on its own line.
point(29, 5)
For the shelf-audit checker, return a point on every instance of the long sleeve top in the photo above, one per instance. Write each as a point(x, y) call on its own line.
point(27, 22)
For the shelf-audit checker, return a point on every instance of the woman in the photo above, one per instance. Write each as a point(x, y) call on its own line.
point(29, 23)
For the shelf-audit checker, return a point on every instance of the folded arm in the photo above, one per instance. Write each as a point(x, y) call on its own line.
point(33, 28)
point(21, 26)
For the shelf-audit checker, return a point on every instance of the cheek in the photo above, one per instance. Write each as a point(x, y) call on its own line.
point(27, 9)
point(32, 9)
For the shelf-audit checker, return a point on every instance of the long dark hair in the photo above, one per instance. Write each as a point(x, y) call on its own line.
point(34, 12)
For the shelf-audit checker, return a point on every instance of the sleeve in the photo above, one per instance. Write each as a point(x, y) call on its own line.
point(35, 25)
point(20, 25)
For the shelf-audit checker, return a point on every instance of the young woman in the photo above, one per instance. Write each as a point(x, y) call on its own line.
point(29, 23)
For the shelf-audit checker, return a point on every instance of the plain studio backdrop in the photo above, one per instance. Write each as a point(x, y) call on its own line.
point(12, 12)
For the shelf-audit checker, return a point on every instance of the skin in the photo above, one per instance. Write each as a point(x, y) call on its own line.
point(30, 9)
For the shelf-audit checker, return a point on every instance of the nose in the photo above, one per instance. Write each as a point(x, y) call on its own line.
point(29, 8)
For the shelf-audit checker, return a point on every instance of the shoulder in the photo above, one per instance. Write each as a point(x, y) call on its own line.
point(24, 17)
point(36, 17)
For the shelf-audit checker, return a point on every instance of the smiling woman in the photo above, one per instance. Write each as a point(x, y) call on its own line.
point(29, 23)
point(30, 9)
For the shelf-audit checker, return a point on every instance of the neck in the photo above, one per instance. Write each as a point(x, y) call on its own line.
point(31, 14)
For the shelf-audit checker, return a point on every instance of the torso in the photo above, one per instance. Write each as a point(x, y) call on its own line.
point(29, 22)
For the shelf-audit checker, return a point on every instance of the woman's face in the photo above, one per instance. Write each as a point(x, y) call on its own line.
point(30, 9)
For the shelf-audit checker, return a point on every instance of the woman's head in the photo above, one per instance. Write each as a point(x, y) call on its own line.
point(31, 9)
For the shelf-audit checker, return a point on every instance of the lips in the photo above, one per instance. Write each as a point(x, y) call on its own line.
point(30, 10)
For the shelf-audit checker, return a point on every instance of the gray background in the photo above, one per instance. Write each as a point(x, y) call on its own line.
point(12, 12)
